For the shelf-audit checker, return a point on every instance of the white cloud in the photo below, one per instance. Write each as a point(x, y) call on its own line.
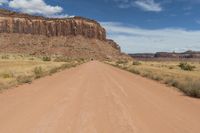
point(123, 3)
point(39, 7)
point(198, 21)
point(3, 2)
point(148, 5)
point(134, 39)
point(61, 16)
point(35, 7)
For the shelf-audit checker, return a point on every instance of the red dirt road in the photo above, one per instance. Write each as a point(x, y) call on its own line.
point(97, 98)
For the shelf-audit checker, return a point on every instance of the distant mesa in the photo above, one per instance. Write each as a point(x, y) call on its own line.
point(184, 55)
point(73, 37)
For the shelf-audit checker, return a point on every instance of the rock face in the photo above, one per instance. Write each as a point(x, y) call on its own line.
point(73, 37)
point(113, 44)
point(11, 22)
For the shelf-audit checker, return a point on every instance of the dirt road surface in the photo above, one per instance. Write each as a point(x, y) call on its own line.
point(97, 98)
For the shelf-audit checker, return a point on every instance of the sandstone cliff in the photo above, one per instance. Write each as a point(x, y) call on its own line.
point(11, 22)
point(73, 37)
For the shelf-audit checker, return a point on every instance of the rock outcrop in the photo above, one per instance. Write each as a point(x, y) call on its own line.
point(73, 37)
point(113, 44)
point(11, 22)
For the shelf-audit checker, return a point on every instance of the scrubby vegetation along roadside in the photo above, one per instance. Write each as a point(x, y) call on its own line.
point(182, 75)
point(20, 69)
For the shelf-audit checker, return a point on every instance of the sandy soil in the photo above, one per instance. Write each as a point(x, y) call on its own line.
point(97, 98)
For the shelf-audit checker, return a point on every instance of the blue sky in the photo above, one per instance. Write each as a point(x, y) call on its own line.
point(136, 25)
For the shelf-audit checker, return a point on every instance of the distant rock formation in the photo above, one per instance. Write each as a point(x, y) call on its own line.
point(187, 54)
point(73, 37)
point(142, 55)
point(184, 55)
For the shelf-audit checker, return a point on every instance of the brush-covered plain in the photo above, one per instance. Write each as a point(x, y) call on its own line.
point(183, 75)
point(18, 69)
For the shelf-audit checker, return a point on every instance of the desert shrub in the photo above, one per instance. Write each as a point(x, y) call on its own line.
point(5, 57)
point(190, 88)
point(136, 63)
point(31, 58)
point(187, 67)
point(67, 65)
point(54, 70)
point(146, 74)
point(46, 58)
point(134, 71)
point(2, 86)
point(122, 62)
point(38, 72)
point(171, 67)
point(156, 77)
point(62, 59)
point(62, 67)
point(124, 67)
point(80, 59)
point(7, 75)
point(24, 79)
point(172, 82)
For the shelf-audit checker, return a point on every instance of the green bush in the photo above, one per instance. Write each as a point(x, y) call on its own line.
point(46, 58)
point(185, 66)
point(38, 72)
